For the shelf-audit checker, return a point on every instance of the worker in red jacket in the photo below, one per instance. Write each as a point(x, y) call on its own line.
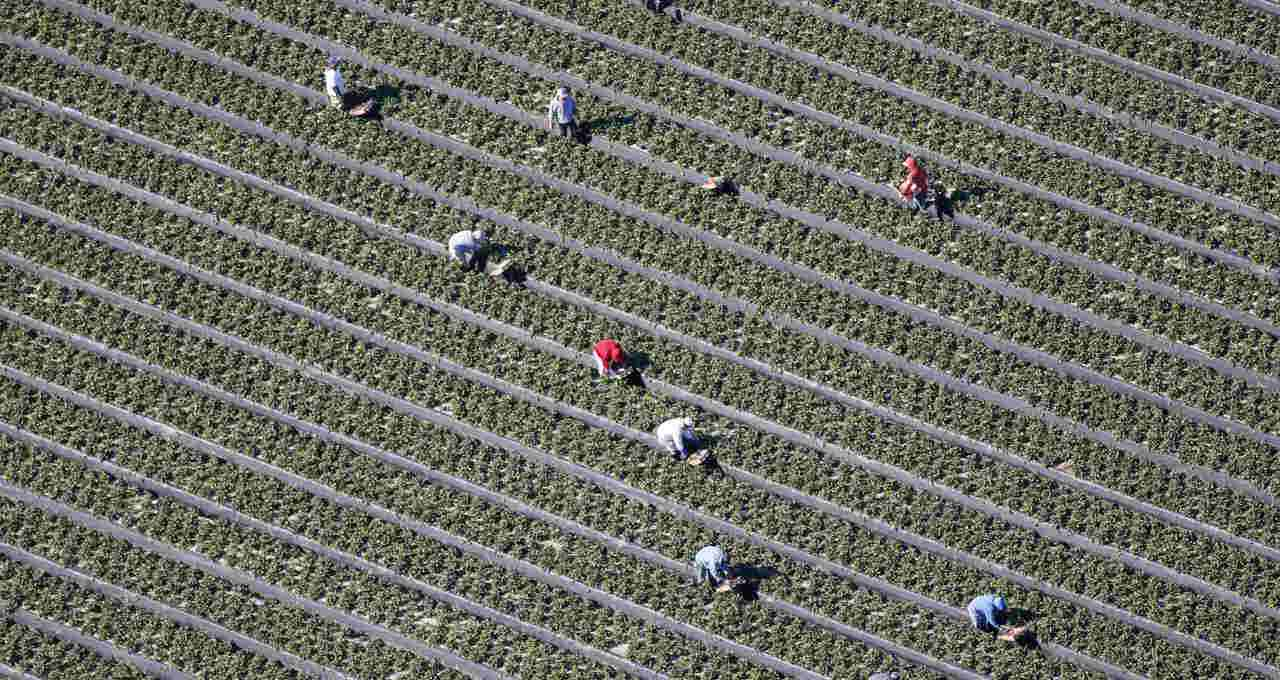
point(611, 361)
point(915, 188)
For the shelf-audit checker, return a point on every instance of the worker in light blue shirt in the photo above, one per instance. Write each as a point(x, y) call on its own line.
point(714, 569)
point(988, 614)
point(563, 112)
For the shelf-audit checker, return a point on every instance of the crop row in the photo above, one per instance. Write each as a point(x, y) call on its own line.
point(741, 155)
point(228, 206)
point(1014, 79)
point(258, 295)
point(854, 604)
point(821, 587)
point(1183, 31)
point(1168, 52)
point(106, 559)
point(958, 615)
point(103, 550)
point(370, 226)
point(1238, 22)
point(1156, 312)
point(29, 654)
point(415, 562)
point(1008, 263)
point(1128, 228)
point(923, 80)
point(410, 370)
point(1070, 505)
point(580, 339)
point(865, 115)
point(1062, 70)
point(144, 639)
point(550, 550)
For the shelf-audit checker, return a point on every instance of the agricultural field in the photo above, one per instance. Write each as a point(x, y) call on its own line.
point(256, 423)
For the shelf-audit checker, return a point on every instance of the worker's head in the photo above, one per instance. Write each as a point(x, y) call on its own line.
point(563, 92)
point(479, 236)
point(910, 163)
point(1000, 604)
point(332, 61)
point(686, 422)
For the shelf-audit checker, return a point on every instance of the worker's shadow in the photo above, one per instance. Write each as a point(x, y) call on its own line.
point(963, 195)
point(726, 187)
point(710, 465)
point(748, 589)
point(1023, 617)
point(639, 362)
point(605, 124)
point(382, 99)
point(1017, 616)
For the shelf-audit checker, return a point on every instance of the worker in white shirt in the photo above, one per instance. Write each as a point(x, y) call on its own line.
point(677, 437)
point(336, 88)
point(333, 84)
point(465, 248)
point(563, 111)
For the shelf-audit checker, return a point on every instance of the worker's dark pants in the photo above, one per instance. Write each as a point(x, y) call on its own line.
point(569, 129)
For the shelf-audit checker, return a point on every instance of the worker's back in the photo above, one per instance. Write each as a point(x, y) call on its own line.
point(709, 555)
point(671, 430)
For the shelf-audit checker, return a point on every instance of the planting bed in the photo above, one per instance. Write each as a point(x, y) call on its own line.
point(254, 423)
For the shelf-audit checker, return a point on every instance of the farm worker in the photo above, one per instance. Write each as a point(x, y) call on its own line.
point(988, 613)
point(336, 88)
point(718, 185)
point(713, 568)
point(676, 436)
point(562, 111)
point(915, 188)
point(333, 84)
point(465, 247)
point(610, 359)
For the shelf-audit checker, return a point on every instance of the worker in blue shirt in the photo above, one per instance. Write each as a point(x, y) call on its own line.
point(988, 614)
point(562, 111)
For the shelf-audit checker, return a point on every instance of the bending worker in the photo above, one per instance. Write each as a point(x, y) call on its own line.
point(988, 614)
point(915, 188)
point(713, 568)
point(465, 248)
point(677, 437)
point(611, 361)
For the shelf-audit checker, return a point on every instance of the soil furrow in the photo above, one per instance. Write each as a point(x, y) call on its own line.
point(1172, 80)
point(325, 320)
point(102, 648)
point(233, 516)
point(579, 471)
point(985, 394)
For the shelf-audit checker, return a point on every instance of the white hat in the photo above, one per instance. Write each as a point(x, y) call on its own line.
point(478, 235)
point(687, 421)
point(564, 92)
